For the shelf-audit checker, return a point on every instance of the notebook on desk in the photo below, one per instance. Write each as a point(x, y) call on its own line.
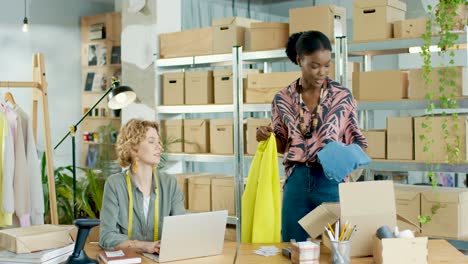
point(191, 236)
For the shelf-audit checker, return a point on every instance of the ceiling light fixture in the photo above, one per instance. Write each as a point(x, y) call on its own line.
point(25, 27)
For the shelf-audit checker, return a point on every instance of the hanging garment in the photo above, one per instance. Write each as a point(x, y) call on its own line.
point(33, 170)
point(7, 169)
point(261, 203)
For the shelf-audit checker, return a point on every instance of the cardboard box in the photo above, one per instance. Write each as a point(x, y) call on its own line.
point(222, 136)
point(410, 28)
point(182, 183)
point(408, 205)
point(251, 133)
point(196, 136)
point(173, 88)
point(380, 85)
point(400, 138)
point(230, 234)
point(368, 205)
point(222, 194)
point(34, 238)
point(372, 19)
point(223, 84)
point(261, 88)
point(228, 32)
point(400, 250)
point(450, 221)
point(377, 142)
point(268, 35)
point(352, 67)
point(438, 147)
point(186, 43)
point(418, 89)
point(199, 87)
point(173, 130)
point(321, 18)
point(199, 192)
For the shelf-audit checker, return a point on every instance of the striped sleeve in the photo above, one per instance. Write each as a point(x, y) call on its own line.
point(353, 134)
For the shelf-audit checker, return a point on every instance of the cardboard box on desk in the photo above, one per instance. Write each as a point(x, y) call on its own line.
point(35, 238)
point(228, 32)
point(380, 85)
point(173, 88)
point(418, 89)
point(321, 18)
point(372, 19)
point(268, 35)
point(400, 250)
point(368, 205)
point(223, 84)
point(410, 28)
point(408, 205)
point(400, 138)
point(377, 142)
point(186, 43)
point(253, 124)
point(222, 136)
point(199, 88)
point(438, 149)
point(196, 135)
point(450, 221)
point(261, 88)
point(173, 130)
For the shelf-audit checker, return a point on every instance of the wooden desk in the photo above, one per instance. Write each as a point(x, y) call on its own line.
point(440, 251)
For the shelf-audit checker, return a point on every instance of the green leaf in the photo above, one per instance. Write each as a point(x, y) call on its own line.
point(422, 137)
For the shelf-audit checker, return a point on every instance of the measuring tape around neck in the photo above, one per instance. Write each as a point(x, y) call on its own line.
point(130, 206)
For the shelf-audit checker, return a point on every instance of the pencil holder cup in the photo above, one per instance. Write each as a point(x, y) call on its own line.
point(340, 252)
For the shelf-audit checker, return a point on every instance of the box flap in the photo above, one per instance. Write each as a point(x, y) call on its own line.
point(403, 219)
point(222, 73)
point(173, 122)
point(194, 122)
point(173, 75)
point(256, 122)
point(314, 222)
point(192, 74)
point(378, 3)
point(261, 25)
point(222, 122)
point(233, 21)
point(406, 195)
point(200, 179)
point(445, 195)
point(226, 181)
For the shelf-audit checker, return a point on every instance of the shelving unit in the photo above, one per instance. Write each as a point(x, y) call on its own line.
point(97, 72)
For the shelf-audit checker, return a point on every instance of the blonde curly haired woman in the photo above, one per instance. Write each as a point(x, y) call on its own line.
point(137, 199)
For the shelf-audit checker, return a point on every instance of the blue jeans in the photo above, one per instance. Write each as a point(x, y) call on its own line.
point(304, 190)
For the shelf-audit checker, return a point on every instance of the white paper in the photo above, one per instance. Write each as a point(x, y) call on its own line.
point(267, 251)
point(113, 254)
point(136, 5)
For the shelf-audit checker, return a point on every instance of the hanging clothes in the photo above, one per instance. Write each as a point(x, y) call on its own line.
point(7, 129)
point(33, 172)
point(261, 203)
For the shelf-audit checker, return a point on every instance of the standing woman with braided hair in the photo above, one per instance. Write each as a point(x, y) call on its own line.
point(306, 115)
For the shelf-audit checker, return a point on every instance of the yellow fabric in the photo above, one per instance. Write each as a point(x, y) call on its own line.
point(261, 202)
point(130, 207)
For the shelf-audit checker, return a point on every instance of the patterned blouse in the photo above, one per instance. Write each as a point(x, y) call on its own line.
point(337, 122)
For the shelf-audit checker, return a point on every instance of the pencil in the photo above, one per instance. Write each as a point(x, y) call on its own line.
point(331, 229)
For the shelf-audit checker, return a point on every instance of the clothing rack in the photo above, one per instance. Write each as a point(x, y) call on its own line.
point(39, 84)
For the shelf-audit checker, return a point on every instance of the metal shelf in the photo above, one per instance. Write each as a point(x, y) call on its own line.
point(200, 157)
point(405, 104)
point(397, 165)
point(228, 108)
point(232, 220)
point(393, 46)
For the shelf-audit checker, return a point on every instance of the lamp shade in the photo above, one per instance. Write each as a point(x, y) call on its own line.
point(121, 97)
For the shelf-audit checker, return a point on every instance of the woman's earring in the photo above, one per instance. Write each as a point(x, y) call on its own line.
point(134, 166)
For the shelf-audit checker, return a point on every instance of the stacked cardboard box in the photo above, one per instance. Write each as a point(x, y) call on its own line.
point(410, 28)
point(251, 133)
point(199, 88)
point(377, 142)
point(262, 88)
point(228, 32)
point(186, 43)
point(418, 89)
point(173, 88)
point(267, 36)
point(400, 138)
point(380, 85)
point(222, 136)
point(196, 136)
point(173, 132)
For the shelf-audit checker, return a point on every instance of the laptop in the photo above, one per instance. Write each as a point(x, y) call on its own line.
point(191, 236)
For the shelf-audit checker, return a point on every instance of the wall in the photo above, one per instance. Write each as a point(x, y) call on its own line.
point(54, 31)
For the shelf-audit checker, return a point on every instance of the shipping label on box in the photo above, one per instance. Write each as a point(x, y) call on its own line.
point(438, 149)
point(400, 138)
point(380, 85)
point(192, 42)
point(199, 87)
point(418, 89)
point(263, 87)
point(251, 133)
point(268, 35)
point(222, 194)
point(377, 142)
point(222, 136)
point(400, 250)
point(35, 238)
point(173, 88)
point(173, 133)
point(372, 19)
point(196, 135)
point(410, 28)
point(324, 18)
